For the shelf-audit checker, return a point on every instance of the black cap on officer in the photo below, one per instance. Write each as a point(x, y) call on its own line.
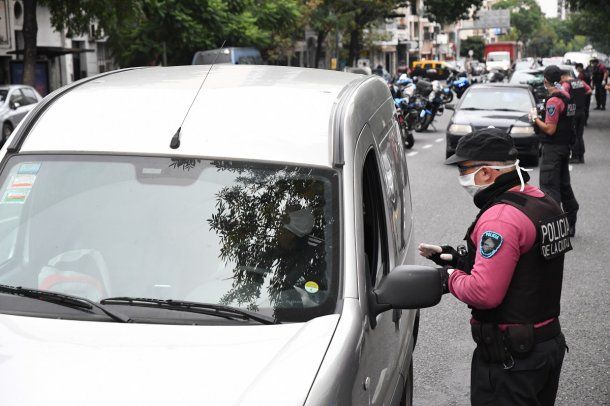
point(488, 144)
point(552, 74)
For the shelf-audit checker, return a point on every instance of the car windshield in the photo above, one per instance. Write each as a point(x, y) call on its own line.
point(255, 236)
point(3, 95)
point(499, 98)
point(524, 77)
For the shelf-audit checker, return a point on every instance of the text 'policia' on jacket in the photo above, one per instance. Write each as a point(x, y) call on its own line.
point(565, 133)
point(535, 289)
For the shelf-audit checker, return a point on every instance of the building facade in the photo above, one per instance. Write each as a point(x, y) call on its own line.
point(62, 59)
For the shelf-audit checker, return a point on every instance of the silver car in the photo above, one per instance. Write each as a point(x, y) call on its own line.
point(15, 102)
point(166, 250)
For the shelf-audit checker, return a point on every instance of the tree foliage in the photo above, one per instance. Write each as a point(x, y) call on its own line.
point(525, 17)
point(476, 44)
point(450, 11)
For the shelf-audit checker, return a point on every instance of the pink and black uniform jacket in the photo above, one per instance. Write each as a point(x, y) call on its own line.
point(490, 277)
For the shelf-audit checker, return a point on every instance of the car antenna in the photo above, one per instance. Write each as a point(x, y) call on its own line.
point(175, 142)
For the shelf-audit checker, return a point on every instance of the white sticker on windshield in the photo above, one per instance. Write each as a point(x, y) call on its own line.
point(22, 181)
point(15, 196)
point(29, 168)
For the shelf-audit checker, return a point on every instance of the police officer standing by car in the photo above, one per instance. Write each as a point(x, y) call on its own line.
point(599, 77)
point(585, 77)
point(557, 138)
point(578, 91)
point(510, 275)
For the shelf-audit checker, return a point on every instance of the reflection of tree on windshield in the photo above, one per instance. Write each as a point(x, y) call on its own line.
point(271, 225)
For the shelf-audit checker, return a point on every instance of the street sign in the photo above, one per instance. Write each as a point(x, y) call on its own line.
point(492, 19)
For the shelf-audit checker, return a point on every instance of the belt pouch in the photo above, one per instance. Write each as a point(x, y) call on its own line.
point(520, 339)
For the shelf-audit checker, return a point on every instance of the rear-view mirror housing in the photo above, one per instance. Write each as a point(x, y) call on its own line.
point(407, 287)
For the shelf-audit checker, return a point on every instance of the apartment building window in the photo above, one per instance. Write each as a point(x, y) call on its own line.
point(104, 63)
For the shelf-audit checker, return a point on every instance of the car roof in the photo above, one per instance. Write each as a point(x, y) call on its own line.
point(248, 112)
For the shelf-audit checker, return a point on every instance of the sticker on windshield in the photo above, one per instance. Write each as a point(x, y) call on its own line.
point(15, 196)
point(22, 181)
point(29, 168)
point(311, 287)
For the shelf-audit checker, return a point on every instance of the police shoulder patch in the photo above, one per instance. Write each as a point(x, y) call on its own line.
point(490, 244)
point(550, 109)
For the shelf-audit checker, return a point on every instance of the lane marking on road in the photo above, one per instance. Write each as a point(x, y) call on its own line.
point(570, 168)
point(438, 140)
point(427, 146)
point(412, 153)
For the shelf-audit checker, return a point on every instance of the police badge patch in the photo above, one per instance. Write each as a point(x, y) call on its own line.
point(550, 109)
point(490, 244)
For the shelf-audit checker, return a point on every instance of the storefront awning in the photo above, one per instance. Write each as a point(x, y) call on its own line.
point(52, 52)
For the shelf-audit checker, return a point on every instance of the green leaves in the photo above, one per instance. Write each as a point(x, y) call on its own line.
point(450, 11)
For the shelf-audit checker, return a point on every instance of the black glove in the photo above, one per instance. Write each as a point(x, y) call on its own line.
point(444, 273)
point(447, 257)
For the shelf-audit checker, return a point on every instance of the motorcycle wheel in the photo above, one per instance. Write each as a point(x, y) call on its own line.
point(422, 124)
point(410, 140)
point(448, 98)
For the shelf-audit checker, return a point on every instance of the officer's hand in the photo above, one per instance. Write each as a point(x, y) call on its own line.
point(443, 256)
point(444, 274)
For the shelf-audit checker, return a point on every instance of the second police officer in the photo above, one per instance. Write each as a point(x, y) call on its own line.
point(578, 91)
point(557, 139)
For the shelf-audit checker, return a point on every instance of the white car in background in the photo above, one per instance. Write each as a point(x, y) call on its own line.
point(15, 102)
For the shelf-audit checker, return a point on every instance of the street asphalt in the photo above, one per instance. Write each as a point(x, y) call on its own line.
point(443, 212)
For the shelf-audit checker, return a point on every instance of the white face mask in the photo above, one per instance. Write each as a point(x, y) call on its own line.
point(469, 184)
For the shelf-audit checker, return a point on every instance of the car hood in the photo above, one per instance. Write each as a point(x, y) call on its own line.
point(483, 118)
point(62, 362)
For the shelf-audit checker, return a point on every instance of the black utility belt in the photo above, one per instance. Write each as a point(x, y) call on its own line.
point(516, 341)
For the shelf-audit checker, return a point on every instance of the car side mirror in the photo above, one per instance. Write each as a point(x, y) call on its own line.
point(407, 287)
point(13, 105)
point(450, 106)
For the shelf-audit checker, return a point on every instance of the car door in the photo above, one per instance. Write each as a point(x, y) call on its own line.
point(378, 377)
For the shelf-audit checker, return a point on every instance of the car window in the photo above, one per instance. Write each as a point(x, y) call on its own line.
point(16, 97)
point(497, 99)
point(3, 95)
point(257, 236)
point(374, 223)
point(428, 66)
point(29, 96)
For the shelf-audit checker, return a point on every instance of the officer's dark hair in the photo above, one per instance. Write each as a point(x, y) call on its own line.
point(552, 74)
point(579, 65)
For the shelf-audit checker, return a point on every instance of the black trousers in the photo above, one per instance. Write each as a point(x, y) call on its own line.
point(587, 105)
point(578, 149)
point(555, 178)
point(532, 381)
point(600, 95)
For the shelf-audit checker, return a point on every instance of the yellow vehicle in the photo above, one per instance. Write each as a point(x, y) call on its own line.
point(432, 70)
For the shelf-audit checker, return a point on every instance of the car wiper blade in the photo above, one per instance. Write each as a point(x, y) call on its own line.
point(472, 108)
point(194, 307)
point(505, 109)
point(62, 299)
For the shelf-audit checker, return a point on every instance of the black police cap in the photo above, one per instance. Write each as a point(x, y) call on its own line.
point(488, 144)
point(552, 73)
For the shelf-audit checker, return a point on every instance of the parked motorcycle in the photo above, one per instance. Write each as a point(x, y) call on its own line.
point(405, 132)
point(431, 103)
point(457, 85)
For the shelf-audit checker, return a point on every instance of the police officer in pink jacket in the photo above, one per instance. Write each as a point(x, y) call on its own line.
point(510, 275)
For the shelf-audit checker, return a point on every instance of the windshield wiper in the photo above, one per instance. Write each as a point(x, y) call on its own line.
point(472, 108)
point(75, 302)
point(194, 307)
point(505, 109)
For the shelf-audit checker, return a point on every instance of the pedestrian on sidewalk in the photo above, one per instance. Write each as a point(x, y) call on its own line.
point(578, 91)
point(510, 275)
point(599, 77)
point(557, 138)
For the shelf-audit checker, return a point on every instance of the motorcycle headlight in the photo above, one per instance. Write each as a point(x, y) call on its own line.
point(522, 130)
point(460, 129)
point(431, 96)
